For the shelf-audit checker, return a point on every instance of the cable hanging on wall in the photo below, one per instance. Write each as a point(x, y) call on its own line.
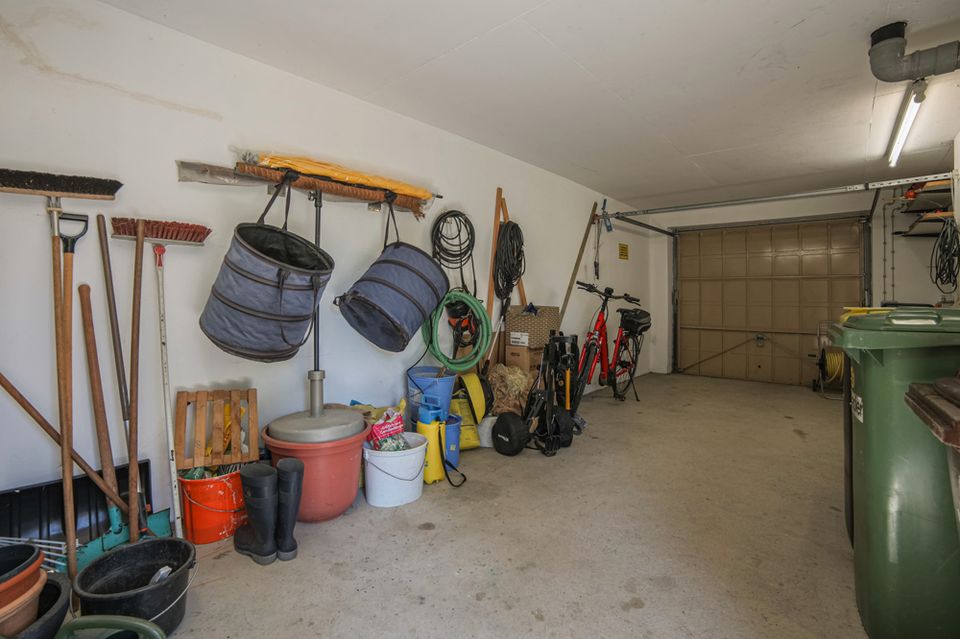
point(453, 239)
point(945, 258)
point(509, 264)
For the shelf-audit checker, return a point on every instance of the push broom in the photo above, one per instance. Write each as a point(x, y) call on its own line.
point(53, 188)
point(160, 234)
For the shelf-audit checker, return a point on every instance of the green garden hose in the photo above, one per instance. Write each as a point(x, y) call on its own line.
point(480, 344)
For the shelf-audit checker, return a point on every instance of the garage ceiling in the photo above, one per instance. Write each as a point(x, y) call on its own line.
point(650, 103)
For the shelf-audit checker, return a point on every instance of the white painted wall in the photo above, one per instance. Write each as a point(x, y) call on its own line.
point(91, 90)
point(911, 275)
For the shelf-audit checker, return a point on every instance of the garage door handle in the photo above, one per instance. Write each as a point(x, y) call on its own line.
point(914, 317)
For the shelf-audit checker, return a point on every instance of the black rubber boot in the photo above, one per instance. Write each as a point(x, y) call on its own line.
point(256, 538)
point(290, 487)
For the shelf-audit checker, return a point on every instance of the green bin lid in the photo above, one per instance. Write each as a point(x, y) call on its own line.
point(906, 327)
point(909, 318)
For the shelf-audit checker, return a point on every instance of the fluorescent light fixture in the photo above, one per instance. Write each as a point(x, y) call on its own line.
point(908, 113)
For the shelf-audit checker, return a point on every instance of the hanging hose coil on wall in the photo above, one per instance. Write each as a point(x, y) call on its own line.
point(453, 239)
point(480, 340)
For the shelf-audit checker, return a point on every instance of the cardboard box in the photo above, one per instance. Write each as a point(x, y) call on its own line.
point(531, 329)
point(523, 357)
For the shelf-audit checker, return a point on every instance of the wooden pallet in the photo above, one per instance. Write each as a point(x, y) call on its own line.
point(207, 411)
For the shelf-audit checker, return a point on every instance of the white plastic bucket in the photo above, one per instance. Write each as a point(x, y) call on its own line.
point(485, 431)
point(394, 478)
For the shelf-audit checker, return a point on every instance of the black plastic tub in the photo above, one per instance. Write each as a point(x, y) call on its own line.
point(15, 559)
point(54, 600)
point(118, 583)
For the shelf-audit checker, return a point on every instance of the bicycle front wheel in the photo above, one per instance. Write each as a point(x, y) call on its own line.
point(625, 365)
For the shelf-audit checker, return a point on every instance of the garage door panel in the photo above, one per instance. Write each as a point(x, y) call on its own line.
point(711, 243)
point(735, 365)
point(786, 265)
point(734, 242)
point(845, 291)
point(711, 342)
point(689, 314)
point(814, 291)
point(786, 345)
point(845, 235)
point(688, 245)
point(787, 293)
point(786, 237)
point(734, 265)
point(814, 237)
point(711, 315)
point(688, 267)
point(759, 292)
point(758, 240)
point(711, 265)
point(711, 291)
point(811, 316)
point(845, 264)
point(815, 264)
point(689, 292)
point(759, 265)
point(734, 316)
point(760, 318)
point(778, 281)
point(734, 292)
point(786, 318)
point(759, 369)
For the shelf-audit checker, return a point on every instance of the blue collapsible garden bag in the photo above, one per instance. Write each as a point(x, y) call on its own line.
point(271, 280)
point(396, 295)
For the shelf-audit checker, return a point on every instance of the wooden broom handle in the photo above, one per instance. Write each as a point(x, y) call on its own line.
point(88, 470)
point(114, 322)
point(133, 508)
point(66, 424)
point(96, 389)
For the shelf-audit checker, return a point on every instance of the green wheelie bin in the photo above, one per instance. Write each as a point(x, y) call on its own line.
point(906, 547)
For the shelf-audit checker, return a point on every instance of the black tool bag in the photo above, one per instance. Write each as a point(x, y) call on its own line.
point(510, 434)
point(262, 302)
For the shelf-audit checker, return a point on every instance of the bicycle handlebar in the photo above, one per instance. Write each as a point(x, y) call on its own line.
point(607, 293)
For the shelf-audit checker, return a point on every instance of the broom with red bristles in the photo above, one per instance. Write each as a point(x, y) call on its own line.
point(160, 233)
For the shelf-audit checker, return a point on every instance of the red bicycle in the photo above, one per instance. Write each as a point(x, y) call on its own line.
point(620, 368)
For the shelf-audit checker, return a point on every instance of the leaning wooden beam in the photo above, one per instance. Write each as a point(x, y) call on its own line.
point(55, 436)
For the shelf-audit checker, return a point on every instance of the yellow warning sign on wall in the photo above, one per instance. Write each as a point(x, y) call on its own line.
point(624, 251)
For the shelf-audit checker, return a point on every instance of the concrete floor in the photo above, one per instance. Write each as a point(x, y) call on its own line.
point(712, 508)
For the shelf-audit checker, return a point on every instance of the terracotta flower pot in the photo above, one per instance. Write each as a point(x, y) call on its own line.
point(22, 612)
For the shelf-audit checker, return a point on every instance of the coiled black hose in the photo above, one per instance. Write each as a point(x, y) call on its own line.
point(508, 264)
point(453, 240)
point(945, 258)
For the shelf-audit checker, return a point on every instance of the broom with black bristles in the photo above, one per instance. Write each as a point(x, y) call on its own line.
point(54, 187)
point(160, 233)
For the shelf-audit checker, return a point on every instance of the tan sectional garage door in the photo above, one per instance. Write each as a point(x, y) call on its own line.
point(750, 299)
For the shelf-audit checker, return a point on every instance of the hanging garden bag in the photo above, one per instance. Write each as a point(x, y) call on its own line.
point(262, 303)
point(396, 295)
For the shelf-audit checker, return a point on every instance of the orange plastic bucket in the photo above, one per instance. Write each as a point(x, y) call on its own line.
point(212, 508)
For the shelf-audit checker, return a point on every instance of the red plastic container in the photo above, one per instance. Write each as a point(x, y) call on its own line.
point(331, 473)
point(212, 508)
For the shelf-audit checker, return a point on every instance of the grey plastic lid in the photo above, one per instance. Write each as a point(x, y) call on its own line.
point(304, 428)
